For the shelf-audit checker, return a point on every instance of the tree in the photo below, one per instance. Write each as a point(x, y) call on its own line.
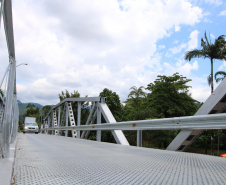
point(217, 50)
point(136, 94)
point(113, 102)
point(32, 111)
point(136, 108)
point(169, 96)
point(65, 95)
point(1, 92)
point(223, 75)
point(46, 109)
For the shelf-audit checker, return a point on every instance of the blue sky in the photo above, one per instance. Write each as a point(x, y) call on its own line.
point(92, 45)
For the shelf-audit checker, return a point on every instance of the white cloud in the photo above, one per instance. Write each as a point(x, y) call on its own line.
point(222, 67)
point(211, 2)
point(193, 43)
point(178, 49)
point(162, 46)
point(87, 46)
point(222, 13)
point(177, 28)
point(181, 67)
point(212, 36)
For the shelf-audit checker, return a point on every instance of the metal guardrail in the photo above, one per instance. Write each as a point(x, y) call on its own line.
point(217, 121)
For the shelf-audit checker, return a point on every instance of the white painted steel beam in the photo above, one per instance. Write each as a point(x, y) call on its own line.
point(109, 118)
point(8, 24)
point(82, 99)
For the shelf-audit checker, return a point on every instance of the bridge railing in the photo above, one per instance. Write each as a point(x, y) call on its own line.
point(9, 112)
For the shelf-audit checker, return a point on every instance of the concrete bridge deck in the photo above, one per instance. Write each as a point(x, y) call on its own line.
point(44, 159)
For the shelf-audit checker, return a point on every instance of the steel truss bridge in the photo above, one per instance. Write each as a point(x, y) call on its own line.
point(50, 158)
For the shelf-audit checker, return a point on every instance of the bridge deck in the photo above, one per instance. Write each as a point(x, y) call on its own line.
point(45, 159)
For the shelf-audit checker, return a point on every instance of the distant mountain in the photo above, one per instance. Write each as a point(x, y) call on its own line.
point(22, 107)
point(35, 104)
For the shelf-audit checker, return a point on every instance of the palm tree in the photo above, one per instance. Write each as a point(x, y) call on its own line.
point(217, 50)
point(223, 73)
point(136, 93)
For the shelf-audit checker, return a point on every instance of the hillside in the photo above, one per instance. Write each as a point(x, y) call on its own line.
point(22, 106)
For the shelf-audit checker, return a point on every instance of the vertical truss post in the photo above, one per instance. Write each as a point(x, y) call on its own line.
point(63, 119)
point(98, 121)
point(45, 126)
point(71, 119)
point(57, 132)
point(79, 118)
point(66, 124)
point(48, 123)
point(54, 122)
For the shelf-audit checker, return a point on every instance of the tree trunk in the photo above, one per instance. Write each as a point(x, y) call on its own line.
point(211, 75)
point(212, 134)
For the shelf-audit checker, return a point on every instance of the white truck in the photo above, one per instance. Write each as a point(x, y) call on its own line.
point(30, 125)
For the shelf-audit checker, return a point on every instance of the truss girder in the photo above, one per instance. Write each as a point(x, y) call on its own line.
point(99, 108)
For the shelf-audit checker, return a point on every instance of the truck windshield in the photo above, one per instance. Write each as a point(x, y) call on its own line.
point(31, 124)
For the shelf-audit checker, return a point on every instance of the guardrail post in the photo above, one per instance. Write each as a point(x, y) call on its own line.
point(139, 138)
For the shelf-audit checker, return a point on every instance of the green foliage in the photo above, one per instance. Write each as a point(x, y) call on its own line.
point(135, 107)
point(65, 95)
point(158, 138)
point(170, 98)
point(113, 103)
point(33, 111)
point(46, 110)
point(217, 50)
point(136, 94)
point(1, 93)
point(222, 74)
point(209, 50)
